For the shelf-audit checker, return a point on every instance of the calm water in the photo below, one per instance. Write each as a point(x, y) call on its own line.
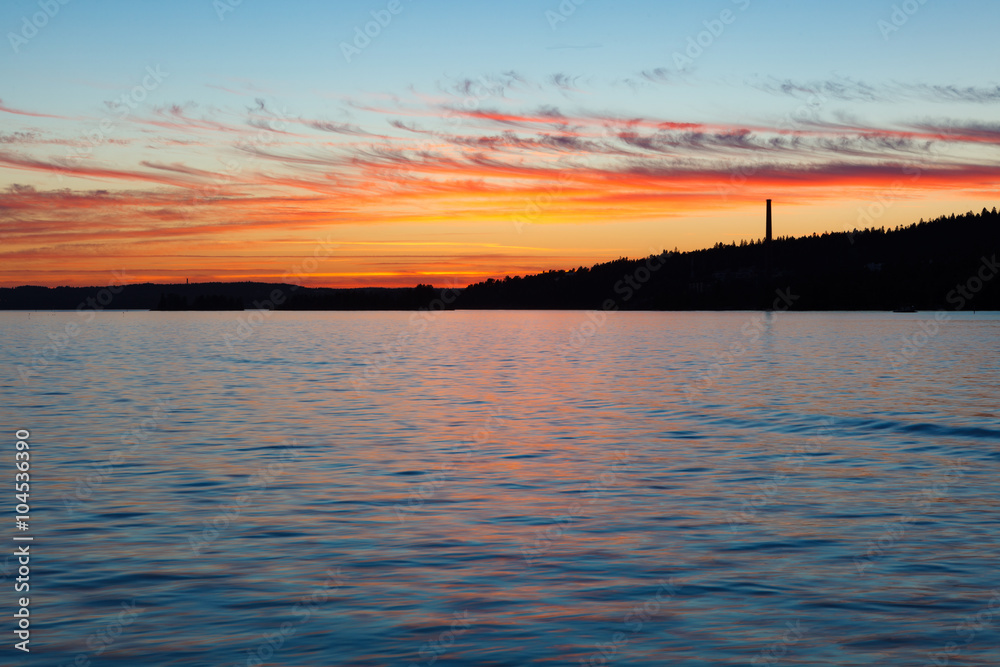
point(508, 488)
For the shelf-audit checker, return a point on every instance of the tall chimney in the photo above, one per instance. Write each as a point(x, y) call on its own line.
point(767, 236)
point(768, 270)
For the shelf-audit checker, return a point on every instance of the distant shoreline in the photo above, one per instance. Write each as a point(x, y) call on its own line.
point(947, 264)
point(509, 310)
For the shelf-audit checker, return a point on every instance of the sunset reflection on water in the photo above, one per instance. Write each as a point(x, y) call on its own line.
point(492, 494)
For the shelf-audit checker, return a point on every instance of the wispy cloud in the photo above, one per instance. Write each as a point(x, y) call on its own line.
point(18, 112)
point(851, 90)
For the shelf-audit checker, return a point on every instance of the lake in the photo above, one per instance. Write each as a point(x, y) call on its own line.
point(507, 488)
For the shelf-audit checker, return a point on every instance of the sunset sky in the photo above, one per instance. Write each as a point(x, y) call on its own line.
point(274, 141)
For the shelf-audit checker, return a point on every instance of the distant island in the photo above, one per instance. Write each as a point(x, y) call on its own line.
point(924, 266)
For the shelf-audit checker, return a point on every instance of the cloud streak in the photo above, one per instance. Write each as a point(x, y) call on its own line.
point(850, 90)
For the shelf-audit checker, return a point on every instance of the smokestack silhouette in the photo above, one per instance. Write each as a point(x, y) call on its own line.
point(767, 235)
point(768, 270)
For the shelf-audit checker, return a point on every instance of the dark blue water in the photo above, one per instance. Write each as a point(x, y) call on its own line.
point(507, 488)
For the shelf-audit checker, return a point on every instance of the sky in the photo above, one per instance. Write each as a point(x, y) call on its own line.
point(396, 142)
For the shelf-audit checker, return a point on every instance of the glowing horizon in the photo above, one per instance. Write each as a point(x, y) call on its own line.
point(203, 161)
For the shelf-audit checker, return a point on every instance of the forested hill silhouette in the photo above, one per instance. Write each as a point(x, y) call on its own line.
point(216, 296)
point(926, 265)
point(948, 263)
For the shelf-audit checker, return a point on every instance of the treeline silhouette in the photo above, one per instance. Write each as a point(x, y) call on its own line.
point(365, 298)
point(916, 266)
point(923, 266)
point(217, 296)
point(174, 301)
